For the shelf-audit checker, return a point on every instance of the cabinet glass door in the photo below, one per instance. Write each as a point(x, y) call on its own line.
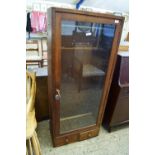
point(85, 51)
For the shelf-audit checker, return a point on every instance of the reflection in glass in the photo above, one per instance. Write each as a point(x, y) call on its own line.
point(84, 57)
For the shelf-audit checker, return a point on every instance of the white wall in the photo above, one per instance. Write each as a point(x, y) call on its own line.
point(121, 6)
point(113, 5)
point(108, 5)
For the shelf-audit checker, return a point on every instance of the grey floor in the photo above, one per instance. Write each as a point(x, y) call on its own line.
point(114, 143)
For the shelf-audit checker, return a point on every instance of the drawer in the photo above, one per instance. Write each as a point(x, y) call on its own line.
point(121, 111)
point(66, 139)
point(88, 134)
point(124, 92)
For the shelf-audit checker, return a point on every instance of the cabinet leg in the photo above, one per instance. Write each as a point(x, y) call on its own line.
point(109, 129)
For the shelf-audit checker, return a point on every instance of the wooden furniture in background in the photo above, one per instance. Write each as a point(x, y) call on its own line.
point(32, 142)
point(75, 115)
point(124, 46)
point(41, 105)
point(44, 51)
point(41, 100)
point(117, 109)
point(34, 53)
point(127, 37)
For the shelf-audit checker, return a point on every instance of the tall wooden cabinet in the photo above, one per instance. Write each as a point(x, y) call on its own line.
point(117, 108)
point(82, 49)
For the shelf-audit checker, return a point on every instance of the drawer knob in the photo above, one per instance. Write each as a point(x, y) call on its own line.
point(66, 140)
point(89, 135)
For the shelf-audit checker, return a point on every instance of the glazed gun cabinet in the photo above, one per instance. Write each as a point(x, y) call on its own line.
point(82, 50)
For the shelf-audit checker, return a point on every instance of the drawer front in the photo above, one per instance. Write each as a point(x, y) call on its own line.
point(88, 134)
point(124, 92)
point(65, 140)
point(69, 138)
point(121, 111)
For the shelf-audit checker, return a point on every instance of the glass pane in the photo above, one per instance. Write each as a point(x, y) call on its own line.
point(84, 57)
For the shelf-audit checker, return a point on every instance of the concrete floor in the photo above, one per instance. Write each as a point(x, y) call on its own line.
point(114, 143)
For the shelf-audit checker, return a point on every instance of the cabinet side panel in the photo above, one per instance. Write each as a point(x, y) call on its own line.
point(50, 62)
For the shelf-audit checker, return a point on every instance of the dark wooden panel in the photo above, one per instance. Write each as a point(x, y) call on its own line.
point(117, 109)
point(121, 112)
point(124, 71)
point(41, 105)
point(124, 92)
point(41, 101)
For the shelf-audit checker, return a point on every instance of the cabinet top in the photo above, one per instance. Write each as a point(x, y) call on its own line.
point(124, 53)
point(82, 12)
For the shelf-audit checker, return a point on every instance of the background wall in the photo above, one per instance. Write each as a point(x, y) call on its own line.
point(111, 5)
point(105, 6)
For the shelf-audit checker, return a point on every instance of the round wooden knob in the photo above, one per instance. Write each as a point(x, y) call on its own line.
point(89, 135)
point(66, 140)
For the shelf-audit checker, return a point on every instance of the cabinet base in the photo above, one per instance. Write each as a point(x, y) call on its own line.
point(70, 138)
point(116, 126)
